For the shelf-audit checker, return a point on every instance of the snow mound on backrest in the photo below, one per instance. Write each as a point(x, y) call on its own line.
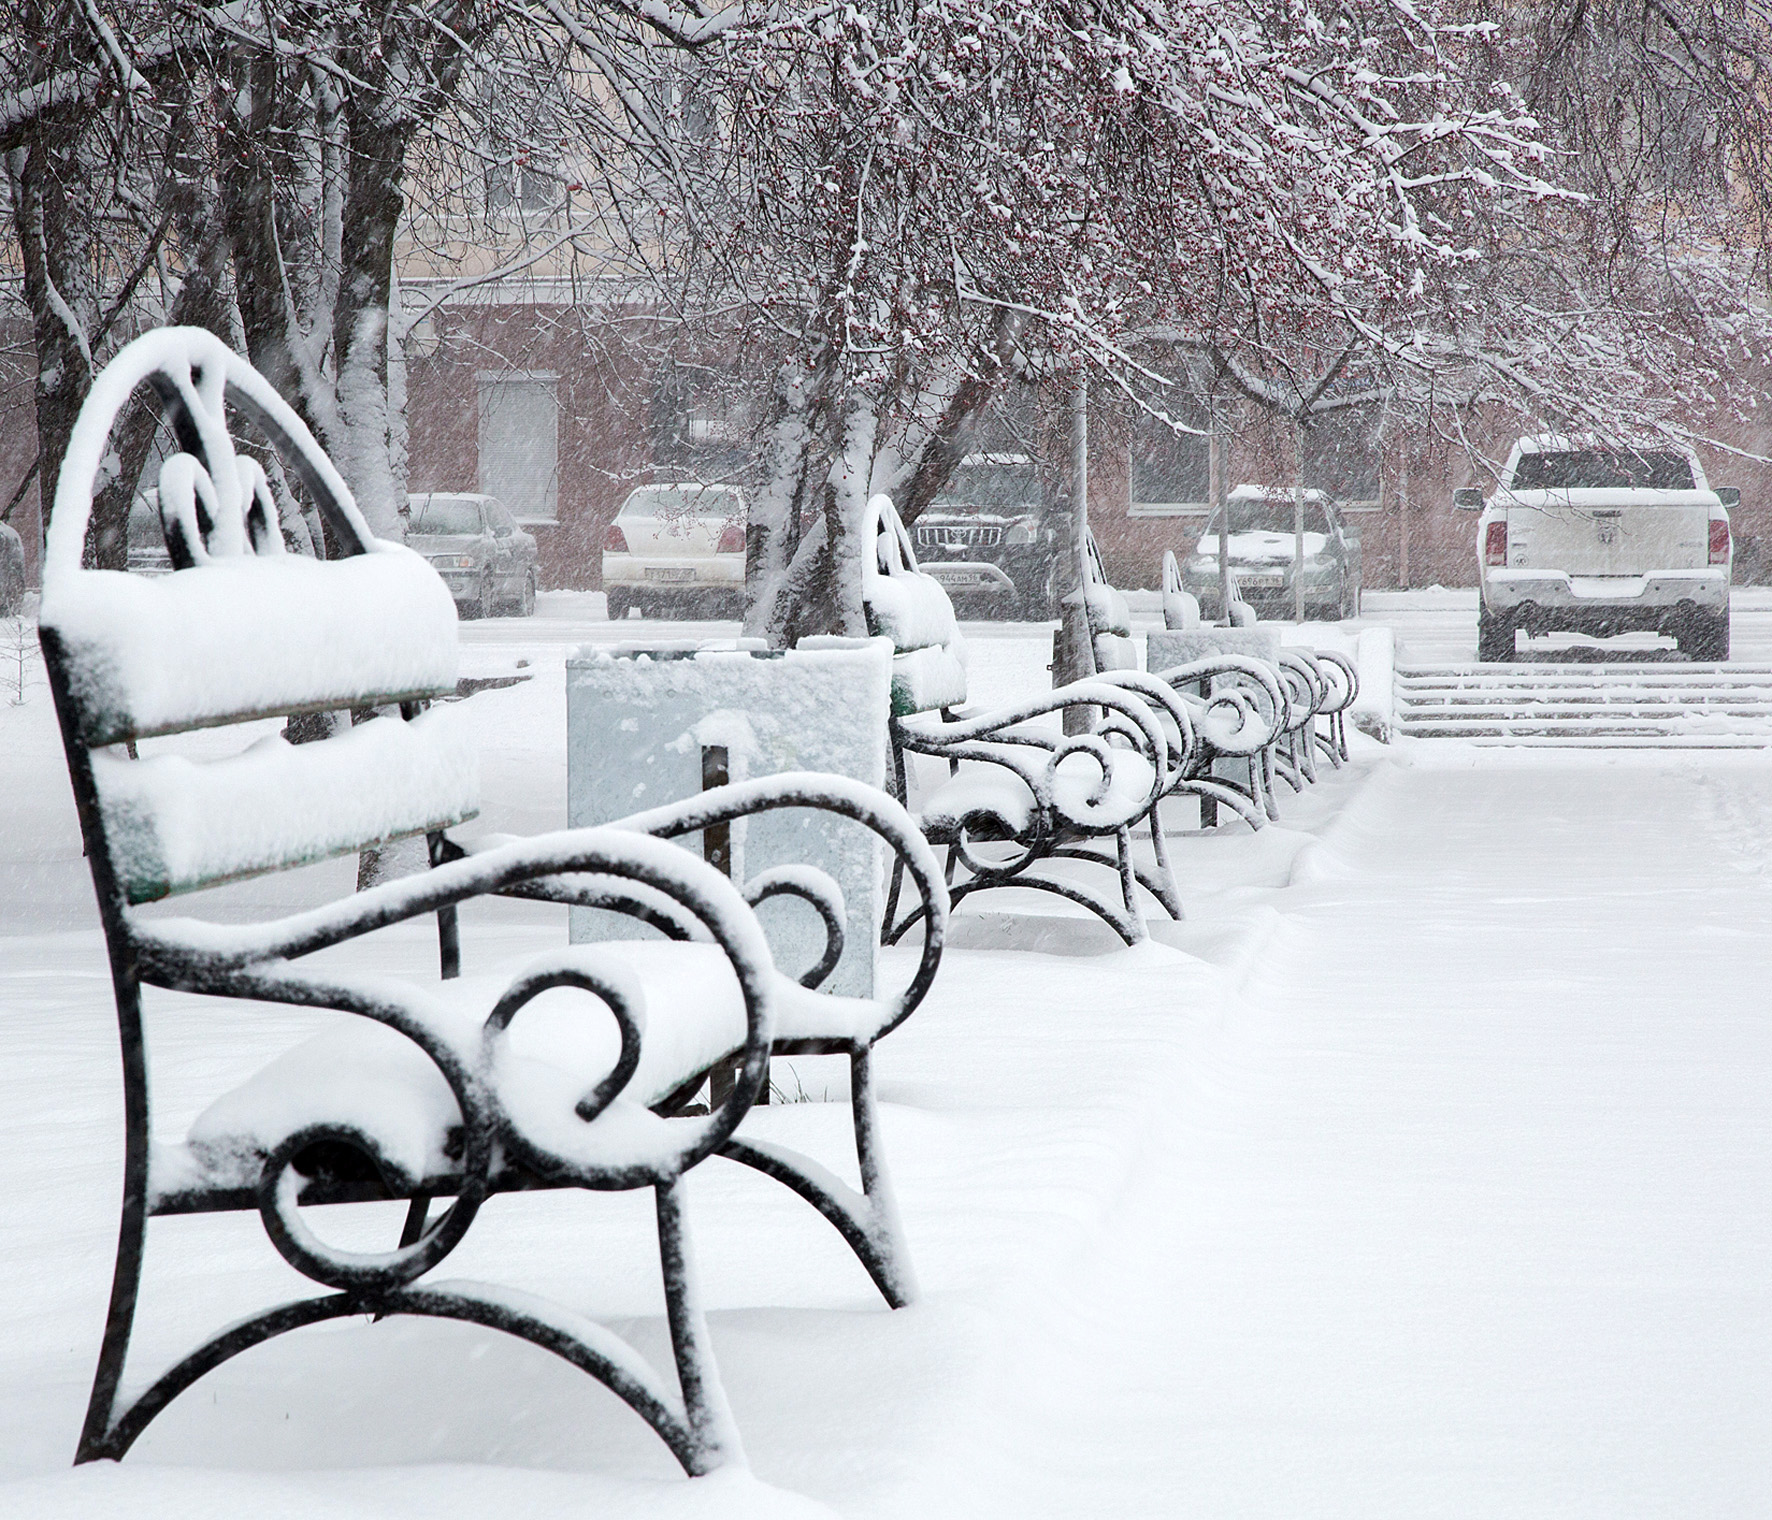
point(914, 611)
point(175, 824)
point(250, 637)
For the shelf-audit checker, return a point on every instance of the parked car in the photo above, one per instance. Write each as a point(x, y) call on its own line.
point(1263, 548)
point(486, 560)
point(1587, 536)
point(12, 571)
point(986, 538)
point(676, 549)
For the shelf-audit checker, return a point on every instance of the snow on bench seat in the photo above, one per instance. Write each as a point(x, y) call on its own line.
point(250, 636)
point(368, 1077)
point(175, 824)
point(1006, 792)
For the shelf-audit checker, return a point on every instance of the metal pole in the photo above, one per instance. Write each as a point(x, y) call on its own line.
point(1298, 523)
point(1080, 506)
point(1216, 510)
point(1078, 646)
point(1403, 522)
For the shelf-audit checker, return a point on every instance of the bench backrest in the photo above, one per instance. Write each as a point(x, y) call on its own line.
point(914, 611)
point(1181, 608)
point(1110, 618)
point(240, 630)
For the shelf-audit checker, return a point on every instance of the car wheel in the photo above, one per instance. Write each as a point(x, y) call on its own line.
point(1495, 638)
point(619, 600)
point(1705, 638)
point(526, 602)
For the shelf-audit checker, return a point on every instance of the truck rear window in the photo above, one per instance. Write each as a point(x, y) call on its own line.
point(1603, 470)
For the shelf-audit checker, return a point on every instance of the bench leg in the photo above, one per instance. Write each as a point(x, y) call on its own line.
point(868, 1220)
point(704, 1398)
point(96, 1436)
point(900, 1285)
point(1170, 893)
point(1129, 882)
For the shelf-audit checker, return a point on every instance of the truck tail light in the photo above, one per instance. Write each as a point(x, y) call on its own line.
point(1495, 544)
point(1719, 540)
point(731, 539)
point(615, 541)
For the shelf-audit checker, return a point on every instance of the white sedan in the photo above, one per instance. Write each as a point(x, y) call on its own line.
point(677, 549)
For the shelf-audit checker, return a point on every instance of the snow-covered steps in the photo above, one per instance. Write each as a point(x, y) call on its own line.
point(1625, 705)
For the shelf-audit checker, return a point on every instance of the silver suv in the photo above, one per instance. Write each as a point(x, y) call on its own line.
point(486, 560)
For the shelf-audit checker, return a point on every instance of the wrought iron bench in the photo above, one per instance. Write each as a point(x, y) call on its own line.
point(433, 1093)
point(1021, 793)
point(1306, 684)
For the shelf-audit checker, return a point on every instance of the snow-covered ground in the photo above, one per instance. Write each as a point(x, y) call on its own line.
point(1421, 1172)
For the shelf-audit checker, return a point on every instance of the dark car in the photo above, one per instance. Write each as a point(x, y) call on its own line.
point(486, 560)
point(986, 538)
point(1262, 549)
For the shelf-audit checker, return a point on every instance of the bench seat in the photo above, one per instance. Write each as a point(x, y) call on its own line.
point(368, 1077)
point(1006, 791)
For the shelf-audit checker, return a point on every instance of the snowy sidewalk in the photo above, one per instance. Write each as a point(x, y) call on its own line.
point(1423, 1172)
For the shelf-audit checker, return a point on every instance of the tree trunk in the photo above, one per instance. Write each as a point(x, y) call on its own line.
point(828, 567)
point(362, 449)
point(772, 534)
point(53, 223)
point(945, 444)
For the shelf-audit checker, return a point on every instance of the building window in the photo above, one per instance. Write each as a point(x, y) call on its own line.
point(1170, 472)
point(1341, 457)
point(520, 443)
point(523, 189)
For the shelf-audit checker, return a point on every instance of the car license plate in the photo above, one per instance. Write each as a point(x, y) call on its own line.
point(655, 574)
point(1262, 582)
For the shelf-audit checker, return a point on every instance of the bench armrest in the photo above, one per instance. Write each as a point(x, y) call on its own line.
point(1003, 738)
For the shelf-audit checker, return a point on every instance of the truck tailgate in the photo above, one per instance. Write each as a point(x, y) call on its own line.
point(1601, 532)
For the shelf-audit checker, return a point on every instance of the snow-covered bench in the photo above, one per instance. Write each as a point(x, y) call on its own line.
point(1232, 705)
point(1292, 685)
point(453, 1090)
point(1109, 613)
point(1020, 792)
point(1319, 684)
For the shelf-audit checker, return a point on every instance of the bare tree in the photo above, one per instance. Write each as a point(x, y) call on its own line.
point(916, 205)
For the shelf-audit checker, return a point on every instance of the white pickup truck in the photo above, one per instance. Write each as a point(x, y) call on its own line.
point(1582, 536)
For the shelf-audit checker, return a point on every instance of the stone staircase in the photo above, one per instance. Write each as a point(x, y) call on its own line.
point(1648, 705)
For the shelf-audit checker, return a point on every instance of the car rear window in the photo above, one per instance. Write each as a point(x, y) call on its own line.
point(1604, 470)
point(447, 514)
point(721, 502)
